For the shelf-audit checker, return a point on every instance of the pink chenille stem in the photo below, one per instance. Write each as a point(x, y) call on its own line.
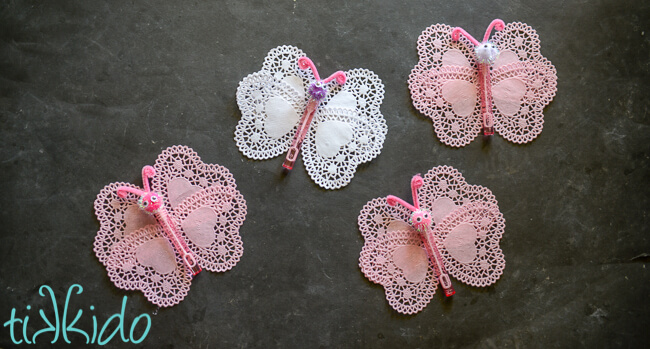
point(438, 265)
point(147, 172)
point(299, 137)
point(485, 88)
point(173, 234)
point(308, 115)
point(164, 219)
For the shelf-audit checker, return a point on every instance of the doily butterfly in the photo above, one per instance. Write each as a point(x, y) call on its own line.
point(451, 229)
point(501, 85)
point(335, 123)
point(157, 238)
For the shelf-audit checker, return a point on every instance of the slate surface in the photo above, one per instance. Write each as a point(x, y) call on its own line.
point(90, 91)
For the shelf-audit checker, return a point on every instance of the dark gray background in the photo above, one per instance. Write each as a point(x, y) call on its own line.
point(91, 91)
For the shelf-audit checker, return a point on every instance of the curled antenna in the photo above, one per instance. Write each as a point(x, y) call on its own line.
point(497, 25)
point(147, 172)
point(122, 191)
point(339, 76)
point(305, 63)
point(394, 200)
point(456, 32)
point(416, 183)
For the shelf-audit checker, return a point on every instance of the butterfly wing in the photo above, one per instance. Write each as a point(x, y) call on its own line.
point(146, 261)
point(468, 241)
point(271, 102)
point(523, 83)
point(210, 221)
point(118, 217)
point(445, 189)
point(443, 85)
point(468, 225)
point(408, 279)
point(204, 201)
point(180, 173)
point(348, 129)
point(376, 219)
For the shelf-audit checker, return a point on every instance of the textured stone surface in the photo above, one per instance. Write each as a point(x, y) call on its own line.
point(90, 91)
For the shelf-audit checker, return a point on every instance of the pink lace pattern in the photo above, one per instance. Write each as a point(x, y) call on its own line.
point(529, 84)
point(467, 229)
point(201, 198)
point(278, 93)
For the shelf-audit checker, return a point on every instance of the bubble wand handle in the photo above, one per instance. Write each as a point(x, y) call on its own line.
point(173, 234)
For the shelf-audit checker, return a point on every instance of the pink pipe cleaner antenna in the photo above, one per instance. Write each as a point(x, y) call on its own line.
point(486, 55)
point(394, 200)
point(496, 24)
point(318, 92)
point(122, 191)
point(416, 183)
point(305, 63)
point(455, 35)
point(147, 173)
point(339, 76)
point(422, 222)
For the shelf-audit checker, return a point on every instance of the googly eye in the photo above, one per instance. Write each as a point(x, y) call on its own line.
point(419, 219)
point(145, 203)
point(426, 216)
point(154, 198)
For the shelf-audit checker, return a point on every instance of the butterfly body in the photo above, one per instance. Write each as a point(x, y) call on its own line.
point(499, 85)
point(156, 238)
point(437, 263)
point(451, 230)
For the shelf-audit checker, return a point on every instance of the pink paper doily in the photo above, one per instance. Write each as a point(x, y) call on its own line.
point(208, 209)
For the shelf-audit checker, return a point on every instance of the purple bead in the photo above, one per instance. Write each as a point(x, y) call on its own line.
point(317, 91)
